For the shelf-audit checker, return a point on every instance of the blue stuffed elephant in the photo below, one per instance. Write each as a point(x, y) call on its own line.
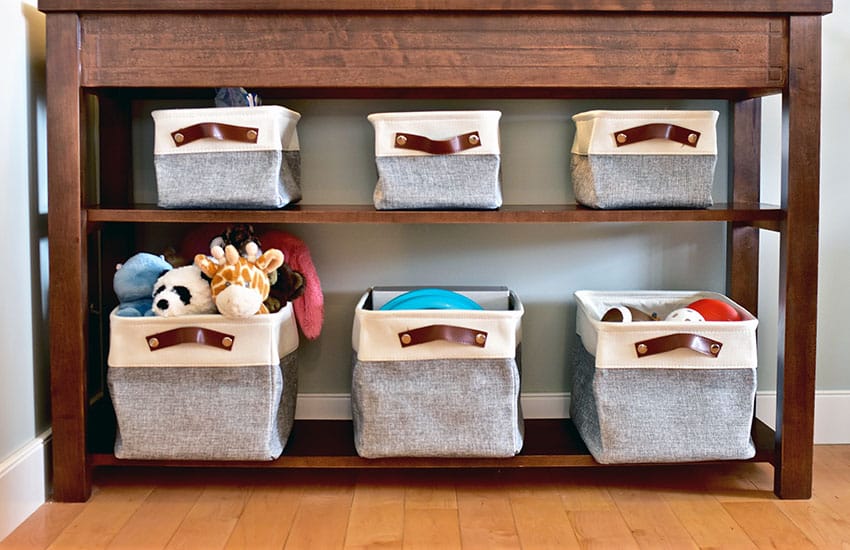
point(133, 283)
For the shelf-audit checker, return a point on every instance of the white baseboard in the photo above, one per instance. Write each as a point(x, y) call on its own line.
point(323, 406)
point(22, 483)
point(830, 407)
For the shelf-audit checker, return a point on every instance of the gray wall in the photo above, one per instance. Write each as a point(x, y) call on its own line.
point(23, 335)
point(834, 298)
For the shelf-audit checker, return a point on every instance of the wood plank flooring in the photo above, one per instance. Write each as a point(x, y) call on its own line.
point(718, 506)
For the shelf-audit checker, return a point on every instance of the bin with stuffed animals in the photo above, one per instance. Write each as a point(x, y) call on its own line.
point(198, 368)
point(437, 160)
point(437, 373)
point(227, 157)
point(203, 387)
point(644, 159)
point(664, 376)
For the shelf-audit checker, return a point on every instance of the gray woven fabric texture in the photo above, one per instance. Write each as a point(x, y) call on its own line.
point(204, 413)
point(643, 181)
point(438, 181)
point(236, 179)
point(437, 408)
point(662, 415)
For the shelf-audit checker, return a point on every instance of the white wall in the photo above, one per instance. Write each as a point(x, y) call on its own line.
point(833, 298)
point(834, 301)
point(23, 340)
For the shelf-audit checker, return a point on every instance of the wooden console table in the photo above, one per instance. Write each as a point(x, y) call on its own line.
point(102, 55)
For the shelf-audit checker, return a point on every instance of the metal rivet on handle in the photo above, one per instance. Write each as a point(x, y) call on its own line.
point(252, 135)
point(692, 138)
point(153, 343)
point(642, 349)
point(480, 339)
point(622, 138)
point(227, 341)
point(406, 339)
point(401, 140)
point(474, 139)
point(178, 138)
point(714, 349)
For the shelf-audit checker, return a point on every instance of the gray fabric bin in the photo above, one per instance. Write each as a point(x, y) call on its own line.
point(232, 398)
point(644, 159)
point(437, 160)
point(227, 157)
point(677, 406)
point(439, 398)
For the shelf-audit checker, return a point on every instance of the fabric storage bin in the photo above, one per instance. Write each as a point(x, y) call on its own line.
point(227, 157)
point(644, 159)
point(203, 387)
point(634, 402)
point(438, 159)
point(437, 383)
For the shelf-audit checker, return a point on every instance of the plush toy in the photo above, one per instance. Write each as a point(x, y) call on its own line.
point(202, 238)
point(239, 285)
point(308, 301)
point(182, 291)
point(287, 285)
point(295, 281)
point(239, 235)
point(133, 283)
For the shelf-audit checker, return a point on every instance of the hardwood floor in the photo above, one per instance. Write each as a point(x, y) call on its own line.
point(719, 506)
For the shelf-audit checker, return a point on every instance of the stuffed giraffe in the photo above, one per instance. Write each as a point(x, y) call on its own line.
point(239, 284)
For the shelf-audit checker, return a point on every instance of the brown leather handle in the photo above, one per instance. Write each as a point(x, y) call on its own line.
point(657, 131)
point(190, 335)
point(695, 342)
point(215, 130)
point(443, 147)
point(449, 333)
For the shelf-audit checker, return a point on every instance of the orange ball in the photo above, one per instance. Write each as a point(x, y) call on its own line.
point(715, 310)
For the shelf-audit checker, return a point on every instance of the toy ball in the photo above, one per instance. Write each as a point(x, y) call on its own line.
point(685, 314)
point(715, 310)
point(619, 314)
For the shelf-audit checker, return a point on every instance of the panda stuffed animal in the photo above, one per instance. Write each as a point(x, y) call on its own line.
point(182, 291)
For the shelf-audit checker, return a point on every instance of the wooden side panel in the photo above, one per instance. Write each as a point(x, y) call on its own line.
point(434, 50)
point(798, 278)
point(743, 250)
point(67, 247)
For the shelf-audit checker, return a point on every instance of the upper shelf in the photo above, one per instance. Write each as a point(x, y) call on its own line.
point(733, 6)
point(761, 215)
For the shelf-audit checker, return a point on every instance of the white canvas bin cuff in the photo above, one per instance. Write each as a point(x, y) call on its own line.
point(275, 125)
point(376, 335)
point(614, 344)
point(596, 132)
point(257, 340)
point(436, 125)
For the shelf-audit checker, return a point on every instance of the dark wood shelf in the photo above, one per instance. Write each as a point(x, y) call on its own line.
point(104, 55)
point(279, 95)
point(753, 6)
point(330, 444)
point(762, 215)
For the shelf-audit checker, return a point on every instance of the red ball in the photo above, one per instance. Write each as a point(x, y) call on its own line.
point(715, 310)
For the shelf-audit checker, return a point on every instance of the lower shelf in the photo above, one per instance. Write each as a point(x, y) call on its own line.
point(329, 444)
